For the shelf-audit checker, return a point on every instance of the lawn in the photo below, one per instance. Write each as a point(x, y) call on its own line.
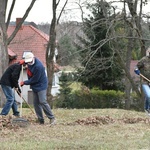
point(80, 129)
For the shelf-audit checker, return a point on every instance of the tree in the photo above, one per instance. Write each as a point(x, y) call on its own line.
point(65, 90)
point(123, 44)
point(67, 52)
point(4, 42)
point(101, 68)
point(132, 23)
point(135, 26)
point(50, 51)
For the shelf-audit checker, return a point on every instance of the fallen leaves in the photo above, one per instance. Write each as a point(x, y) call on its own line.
point(103, 120)
point(8, 123)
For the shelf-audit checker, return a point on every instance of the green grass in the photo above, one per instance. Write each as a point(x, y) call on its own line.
point(69, 135)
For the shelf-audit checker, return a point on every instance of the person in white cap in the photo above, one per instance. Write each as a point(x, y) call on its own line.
point(38, 81)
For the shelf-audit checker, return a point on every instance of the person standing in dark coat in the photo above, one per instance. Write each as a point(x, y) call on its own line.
point(38, 82)
point(143, 67)
point(8, 81)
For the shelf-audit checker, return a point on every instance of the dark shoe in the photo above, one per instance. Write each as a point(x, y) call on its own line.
point(17, 114)
point(40, 121)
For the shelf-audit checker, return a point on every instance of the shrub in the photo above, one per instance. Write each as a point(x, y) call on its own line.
point(93, 99)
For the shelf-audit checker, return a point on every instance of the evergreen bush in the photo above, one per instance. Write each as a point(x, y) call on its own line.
point(92, 99)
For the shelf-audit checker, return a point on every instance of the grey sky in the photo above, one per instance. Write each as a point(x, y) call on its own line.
point(42, 10)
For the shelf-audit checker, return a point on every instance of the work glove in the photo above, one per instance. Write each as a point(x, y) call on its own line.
point(137, 71)
point(21, 62)
point(21, 83)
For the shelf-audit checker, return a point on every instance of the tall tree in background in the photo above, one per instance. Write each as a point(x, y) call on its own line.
point(100, 64)
point(124, 39)
point(68, 55)
point(4, 40)
point(133, 35)
point(50, 51)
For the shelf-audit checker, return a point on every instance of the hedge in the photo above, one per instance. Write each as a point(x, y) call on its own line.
point(92, 99)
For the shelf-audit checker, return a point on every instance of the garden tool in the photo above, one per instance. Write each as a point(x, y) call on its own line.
point(137, 71)
point(20, 121)
point(24, 100)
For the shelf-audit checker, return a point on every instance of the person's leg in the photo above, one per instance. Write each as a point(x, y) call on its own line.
point(43, 102)
point(15, 109)
point(146, 105)
point(146, 90)
point(38, 108)
point(10, 99)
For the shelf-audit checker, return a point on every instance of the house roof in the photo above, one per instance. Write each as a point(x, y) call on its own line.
point(28, 38)
point(11, 53)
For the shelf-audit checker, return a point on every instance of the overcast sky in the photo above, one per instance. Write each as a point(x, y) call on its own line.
point(42, 10)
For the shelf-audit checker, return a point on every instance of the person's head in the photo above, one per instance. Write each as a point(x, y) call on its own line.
point(29, 58)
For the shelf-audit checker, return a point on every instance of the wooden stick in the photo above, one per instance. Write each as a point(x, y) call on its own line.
point(24, 100)
point(144, 77)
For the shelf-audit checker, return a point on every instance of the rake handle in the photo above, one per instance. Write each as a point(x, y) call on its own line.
point(144, 77)
point(24, 100)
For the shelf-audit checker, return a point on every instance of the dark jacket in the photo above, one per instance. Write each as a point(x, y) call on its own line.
point(11, 76)
point(36, 76)
point(144, 67)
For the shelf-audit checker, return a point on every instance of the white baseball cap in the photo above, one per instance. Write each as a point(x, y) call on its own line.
point(29, 57)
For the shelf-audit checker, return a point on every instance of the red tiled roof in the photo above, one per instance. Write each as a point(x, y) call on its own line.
point(29, 38)
point(11, 53)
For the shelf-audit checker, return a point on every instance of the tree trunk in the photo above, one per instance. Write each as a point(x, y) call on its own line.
point(127, 95)
point(50, 54)
point(136, 25)
point(3, 44)
point(3, 38)
point(128, 62)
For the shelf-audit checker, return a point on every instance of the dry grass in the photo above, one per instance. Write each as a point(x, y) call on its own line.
point(81, 129)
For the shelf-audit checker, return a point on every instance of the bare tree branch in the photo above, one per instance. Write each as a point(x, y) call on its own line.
point(61, 11)
point(20, 23)
point(10, 12)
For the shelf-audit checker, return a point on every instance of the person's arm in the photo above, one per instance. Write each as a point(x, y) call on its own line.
point(15, 75)
point(35, 77)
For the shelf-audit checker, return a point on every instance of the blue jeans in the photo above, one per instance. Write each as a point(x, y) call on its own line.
point(146, 90)
point(11, 102)
point(40, 102)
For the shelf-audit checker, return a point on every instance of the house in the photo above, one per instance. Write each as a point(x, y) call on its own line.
point(30, 39)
